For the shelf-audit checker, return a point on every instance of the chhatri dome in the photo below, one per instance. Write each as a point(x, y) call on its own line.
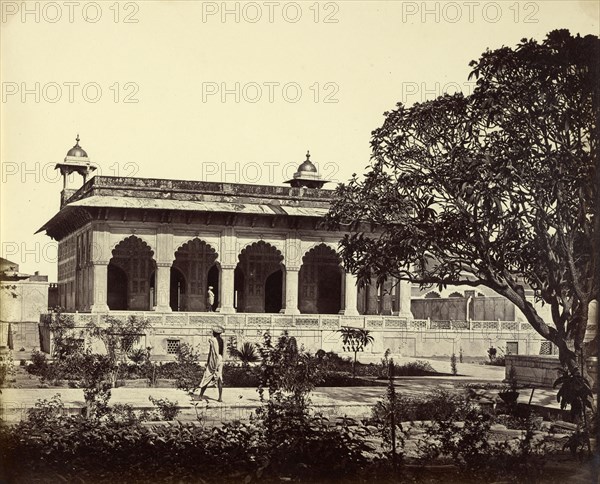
point(307, 175)
point(77, 151)
point(76, 161)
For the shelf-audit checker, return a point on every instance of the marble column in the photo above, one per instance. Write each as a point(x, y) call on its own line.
point(291, 290)
point(163, 287)
point(386, 298)
point(372, 302)
point(226, 288)
point(98, 294)
point(350, 295)
point(404, 297)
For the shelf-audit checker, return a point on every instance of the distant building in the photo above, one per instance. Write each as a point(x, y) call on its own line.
point(23, 297)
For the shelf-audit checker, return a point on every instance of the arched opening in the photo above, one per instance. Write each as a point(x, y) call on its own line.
point(213, 282)
point(117, 288)
point(320, 286)
point(177, 291)
point(256, 264)
point(274, 292)
point(194, 260)
point(133, 257)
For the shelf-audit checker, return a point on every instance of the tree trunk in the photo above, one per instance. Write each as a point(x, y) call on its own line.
point(566, 355)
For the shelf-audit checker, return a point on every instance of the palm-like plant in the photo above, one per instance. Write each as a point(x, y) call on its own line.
point(247, 354)
point(355, 339)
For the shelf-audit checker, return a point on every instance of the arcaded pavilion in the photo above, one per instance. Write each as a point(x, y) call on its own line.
point(158, 247)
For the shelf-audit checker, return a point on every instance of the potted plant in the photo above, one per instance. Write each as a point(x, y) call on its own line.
point(509, 393)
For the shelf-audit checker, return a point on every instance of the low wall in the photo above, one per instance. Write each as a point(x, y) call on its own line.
point(542, 370)
point(536, 370)
point(409, 338)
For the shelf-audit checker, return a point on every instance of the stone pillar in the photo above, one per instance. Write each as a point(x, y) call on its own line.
point(386, 298)
point(350, 295)
point(372, 303)
point(98, 296)
point(226, 288)
point(164, 257)
point(99, 258)
point(162, 287)
point(291, 290)
point(404, 297)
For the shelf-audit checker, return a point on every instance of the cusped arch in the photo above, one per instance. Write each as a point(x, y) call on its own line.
point(456, 294)
point(132, 244)
point(131, 239)
point(432, 295)
point(324, 247)
point(195, 245)
point(260, 246)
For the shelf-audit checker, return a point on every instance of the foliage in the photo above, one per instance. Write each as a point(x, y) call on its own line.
point(287, 369)
point(38, 365)
point(3, 373)
point(453, 368)
point(574, 391)
point(117, 448)
point(413, 368)
point(247, 354)
point(118, 337)
point(476, 455)
point(188, 371)
point(355, 339)
point(139, 355)
point(167, 409)
point(513, 382)
point(387, 417)
point(240, 376)
point(497, 188)
point(95, 372)
point(44, 411)
point(61, 326)
point(496, 357)
point(438, 404)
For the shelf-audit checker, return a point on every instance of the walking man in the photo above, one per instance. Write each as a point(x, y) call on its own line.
point(214, 364)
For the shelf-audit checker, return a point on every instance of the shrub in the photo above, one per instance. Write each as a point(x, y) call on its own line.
point(117, 448)
point(240, 376)
point(413, 368)
point(472, 451)
point(188, 372)
point(38, 365)
point(167, 409)
point(453, 368)
point(45, 411)
point(496, 357)
point(438, 404)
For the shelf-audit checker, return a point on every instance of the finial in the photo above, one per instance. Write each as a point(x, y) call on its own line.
point(308, 155)
point(77, 139)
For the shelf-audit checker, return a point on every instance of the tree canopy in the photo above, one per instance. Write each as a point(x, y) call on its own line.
point(497, 188)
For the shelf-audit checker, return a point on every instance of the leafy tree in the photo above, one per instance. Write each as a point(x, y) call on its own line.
point(498, 188)
point(119, 337)
point(355, 339)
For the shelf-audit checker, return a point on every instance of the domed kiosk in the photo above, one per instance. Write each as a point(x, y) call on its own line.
point(307, 175)
point(76, 161)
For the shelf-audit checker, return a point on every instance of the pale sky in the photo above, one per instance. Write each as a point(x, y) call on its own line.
point(234, 91)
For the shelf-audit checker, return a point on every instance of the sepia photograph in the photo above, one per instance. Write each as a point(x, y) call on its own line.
point(312, 241)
